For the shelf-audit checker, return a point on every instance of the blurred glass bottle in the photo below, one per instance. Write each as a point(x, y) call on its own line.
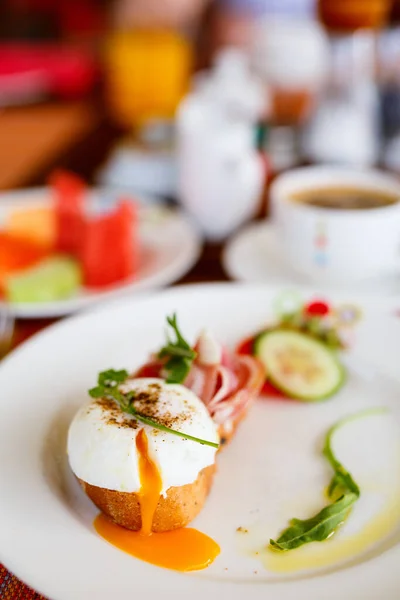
point(276, 34)
point(291, 57)
point(394, 17)
point(350, 15)
point(389, 79)
point(346, 127)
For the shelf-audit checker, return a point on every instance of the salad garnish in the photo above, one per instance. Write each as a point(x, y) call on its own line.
point(300, 350)
point(179, 354)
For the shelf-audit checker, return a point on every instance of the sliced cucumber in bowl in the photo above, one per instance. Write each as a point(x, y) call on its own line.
point(299, 365)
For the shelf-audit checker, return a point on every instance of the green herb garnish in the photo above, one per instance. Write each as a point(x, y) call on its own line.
point(342, 482)
point(178, 353)
point(316, 529)
point(342, 489)
point(108, 387)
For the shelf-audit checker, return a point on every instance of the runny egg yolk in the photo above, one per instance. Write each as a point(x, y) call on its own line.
point(183, 549)
point(150, 484)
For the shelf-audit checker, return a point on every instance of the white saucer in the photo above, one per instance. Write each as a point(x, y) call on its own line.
point(253, 255)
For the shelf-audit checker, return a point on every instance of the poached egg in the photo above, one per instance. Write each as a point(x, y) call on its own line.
point(109, 448)
point(102, 445)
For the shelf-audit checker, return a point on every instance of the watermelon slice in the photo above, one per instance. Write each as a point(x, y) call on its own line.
point(69, 199)
point(109, 246)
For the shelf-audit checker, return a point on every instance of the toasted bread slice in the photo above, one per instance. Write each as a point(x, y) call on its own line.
point(177, 509)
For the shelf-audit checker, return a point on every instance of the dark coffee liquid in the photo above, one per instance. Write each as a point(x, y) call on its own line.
point(345, 199)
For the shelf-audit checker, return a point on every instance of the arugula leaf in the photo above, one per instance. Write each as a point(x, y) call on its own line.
point(111, 377)
point(342, 480)
point(341, 483)
point(177, 369)
point(179, 354)
point(343, 490)
point(108, 383)
point(318, 528)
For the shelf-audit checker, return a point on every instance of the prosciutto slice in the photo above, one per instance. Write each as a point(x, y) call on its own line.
point(226, 387)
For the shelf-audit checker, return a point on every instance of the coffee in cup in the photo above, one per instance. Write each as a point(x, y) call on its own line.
point(338, 225)
point(340, 198)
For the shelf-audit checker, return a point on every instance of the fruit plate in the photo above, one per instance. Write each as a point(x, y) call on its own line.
point(271, 471)
point(169, 247)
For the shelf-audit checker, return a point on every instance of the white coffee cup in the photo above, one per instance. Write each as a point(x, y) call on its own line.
point(336, 245)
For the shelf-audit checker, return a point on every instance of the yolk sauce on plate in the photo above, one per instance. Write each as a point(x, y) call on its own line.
point(183, 549)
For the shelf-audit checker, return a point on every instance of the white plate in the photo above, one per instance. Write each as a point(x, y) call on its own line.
point(253, 255)
point(271, 471)
point(170, 246)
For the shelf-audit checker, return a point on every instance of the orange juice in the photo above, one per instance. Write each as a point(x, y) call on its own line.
point(147, 74)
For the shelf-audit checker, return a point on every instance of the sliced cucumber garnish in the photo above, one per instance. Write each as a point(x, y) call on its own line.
point(299, 365)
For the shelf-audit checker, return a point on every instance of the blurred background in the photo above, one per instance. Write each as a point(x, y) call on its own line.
point(198, 104)
point(108, 88)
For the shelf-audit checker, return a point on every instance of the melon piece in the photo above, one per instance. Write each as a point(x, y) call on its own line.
point(35, 224)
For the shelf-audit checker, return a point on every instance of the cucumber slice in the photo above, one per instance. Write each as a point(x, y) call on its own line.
point(53, 279)
point(299, 365)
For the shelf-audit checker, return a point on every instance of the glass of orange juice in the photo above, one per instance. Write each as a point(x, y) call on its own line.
point(147, 74)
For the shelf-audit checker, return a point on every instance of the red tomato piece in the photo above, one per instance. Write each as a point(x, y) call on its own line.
point(246, 346)
point(317, 309)
point(152, 369)
point(268, 389)
point(109, 246)
point(69, 196)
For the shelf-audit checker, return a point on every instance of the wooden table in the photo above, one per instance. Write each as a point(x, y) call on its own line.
point(84, 159)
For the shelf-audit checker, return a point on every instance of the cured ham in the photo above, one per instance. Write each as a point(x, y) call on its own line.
point(226, 383)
